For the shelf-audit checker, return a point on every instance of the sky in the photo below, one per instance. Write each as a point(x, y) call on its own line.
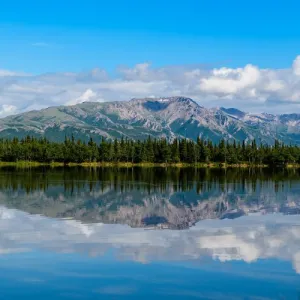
point(221, 53)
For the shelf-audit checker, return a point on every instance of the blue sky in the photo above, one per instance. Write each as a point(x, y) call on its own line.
point(39, 36)
point(220, 53)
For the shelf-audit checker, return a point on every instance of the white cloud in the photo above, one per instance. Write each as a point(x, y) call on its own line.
point(232, 82)
point(7, 73)
point(296, 66)
point(88, 95)
point(248, 88)
point(274, 86)
point(7, 109)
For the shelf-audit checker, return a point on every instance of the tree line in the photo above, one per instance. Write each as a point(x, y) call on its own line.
point(149, 150)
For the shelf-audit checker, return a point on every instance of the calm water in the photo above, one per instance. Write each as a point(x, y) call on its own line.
point(144, 233)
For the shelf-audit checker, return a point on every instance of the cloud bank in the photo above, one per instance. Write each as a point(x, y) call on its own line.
point(248, 88)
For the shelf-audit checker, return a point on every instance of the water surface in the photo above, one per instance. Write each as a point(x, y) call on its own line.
point(75, 233)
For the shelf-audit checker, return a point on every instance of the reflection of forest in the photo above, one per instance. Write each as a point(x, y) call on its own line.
point(181, 179)
point(171, 197)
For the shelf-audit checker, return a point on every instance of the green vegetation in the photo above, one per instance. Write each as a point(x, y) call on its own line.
point(183, 152)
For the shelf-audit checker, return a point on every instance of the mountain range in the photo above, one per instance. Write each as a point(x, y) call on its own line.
point(167, 117)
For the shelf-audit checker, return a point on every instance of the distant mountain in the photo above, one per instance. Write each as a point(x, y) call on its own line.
point(158, 117)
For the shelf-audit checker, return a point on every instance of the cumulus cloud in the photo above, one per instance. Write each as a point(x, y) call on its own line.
point(88, 95)
point(296, 66)
point(248, 88)
point(227, 81)
point(6, 109)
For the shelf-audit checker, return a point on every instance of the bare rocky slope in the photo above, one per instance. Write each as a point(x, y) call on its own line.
point(158, 117)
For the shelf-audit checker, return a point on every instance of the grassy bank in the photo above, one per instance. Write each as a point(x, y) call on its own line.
point(27, 164)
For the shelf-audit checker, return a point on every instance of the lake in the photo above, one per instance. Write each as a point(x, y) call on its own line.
point(144, 233)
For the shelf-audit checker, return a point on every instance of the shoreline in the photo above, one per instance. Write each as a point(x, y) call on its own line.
point(26, 164)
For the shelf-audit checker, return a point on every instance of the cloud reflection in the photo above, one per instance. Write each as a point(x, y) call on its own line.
point(247, 238)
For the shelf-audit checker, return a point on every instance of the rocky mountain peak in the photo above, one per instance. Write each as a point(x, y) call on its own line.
point(179, 99)
point(234, 112)
point(156, 117)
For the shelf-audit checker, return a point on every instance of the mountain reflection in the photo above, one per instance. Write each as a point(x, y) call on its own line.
point(153, 198)
point(245, 239)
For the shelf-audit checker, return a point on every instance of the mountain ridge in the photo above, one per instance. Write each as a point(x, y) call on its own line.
point(165, 117)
